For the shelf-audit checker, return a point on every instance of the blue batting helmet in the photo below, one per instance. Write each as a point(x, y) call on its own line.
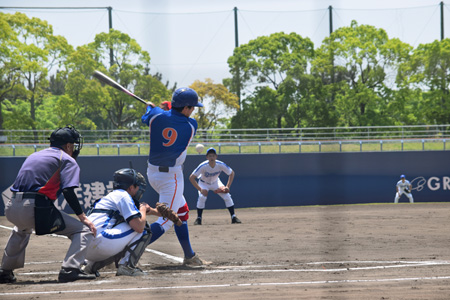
point(185, 97)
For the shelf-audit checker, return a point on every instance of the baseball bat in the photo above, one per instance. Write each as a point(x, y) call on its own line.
point(105, 79)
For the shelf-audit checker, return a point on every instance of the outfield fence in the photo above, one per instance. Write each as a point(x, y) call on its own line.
point(269, 140)
point(244, 135)
point(249, 147)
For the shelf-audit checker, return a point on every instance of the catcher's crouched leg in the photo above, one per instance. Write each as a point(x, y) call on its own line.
point(137, 248)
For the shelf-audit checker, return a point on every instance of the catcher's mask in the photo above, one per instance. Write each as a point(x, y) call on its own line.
point(68, 134)
point(124, 178)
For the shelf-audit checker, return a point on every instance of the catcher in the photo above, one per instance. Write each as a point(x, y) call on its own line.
point(208, 179)
point(122, 230)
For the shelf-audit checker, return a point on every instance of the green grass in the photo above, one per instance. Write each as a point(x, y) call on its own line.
point(142, 149)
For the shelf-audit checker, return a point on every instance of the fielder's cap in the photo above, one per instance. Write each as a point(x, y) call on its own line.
point(402, 176)
point(185, 97)
point(211, 150)
point(168, 103)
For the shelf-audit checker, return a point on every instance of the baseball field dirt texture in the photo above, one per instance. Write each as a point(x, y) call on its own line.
point(373, 251)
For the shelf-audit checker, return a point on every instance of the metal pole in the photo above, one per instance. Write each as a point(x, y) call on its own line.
point(236, 44)
point(330, 13)
point(111, 54)
point(442, 20)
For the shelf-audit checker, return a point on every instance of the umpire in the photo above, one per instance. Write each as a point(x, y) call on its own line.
point(41, 179)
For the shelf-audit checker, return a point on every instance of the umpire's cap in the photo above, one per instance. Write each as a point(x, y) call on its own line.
point(68, 134)
point(185, 97)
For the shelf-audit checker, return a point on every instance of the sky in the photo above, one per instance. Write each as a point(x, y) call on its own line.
point(191, 40)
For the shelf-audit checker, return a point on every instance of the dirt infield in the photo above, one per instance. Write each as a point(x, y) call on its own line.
point(380, 251)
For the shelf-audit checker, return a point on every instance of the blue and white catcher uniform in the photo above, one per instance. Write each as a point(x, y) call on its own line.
point(111, 216)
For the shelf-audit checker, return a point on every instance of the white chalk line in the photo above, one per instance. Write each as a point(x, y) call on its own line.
point(220, 269)
point(263, 268)
point(163, 255)
point(229, 285)
point(166, 256)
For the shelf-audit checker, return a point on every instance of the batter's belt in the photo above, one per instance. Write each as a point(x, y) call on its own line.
point(164, 169)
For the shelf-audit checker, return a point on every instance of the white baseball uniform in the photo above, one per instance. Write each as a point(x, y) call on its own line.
point(401, 190)
point(208, 179)
point(112, 238)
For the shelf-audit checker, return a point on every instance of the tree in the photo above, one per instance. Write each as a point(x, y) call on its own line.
point(38, 51)
point(84, 101)
point(427, 75)
point(9, 67)
point(355, 64)
point(219, 103)
point(130, 69)
point(273, 62)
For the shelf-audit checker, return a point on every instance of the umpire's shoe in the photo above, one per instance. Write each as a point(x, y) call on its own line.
point(235, 220)
point(7, 276)
point(198, 221)
point(73, 274)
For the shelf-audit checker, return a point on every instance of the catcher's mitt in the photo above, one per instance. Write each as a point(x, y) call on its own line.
point(222, 189)
point(168, 213)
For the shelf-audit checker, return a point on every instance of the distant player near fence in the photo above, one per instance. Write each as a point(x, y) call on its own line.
point(403, 187)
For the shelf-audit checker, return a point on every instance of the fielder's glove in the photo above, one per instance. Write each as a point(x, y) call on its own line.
point(222, 189)
point(168, 213)
point(407, 191)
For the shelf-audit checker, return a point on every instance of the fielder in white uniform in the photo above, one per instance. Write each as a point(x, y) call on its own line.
point(207, 174)
point(403, 187)
point(122, 229)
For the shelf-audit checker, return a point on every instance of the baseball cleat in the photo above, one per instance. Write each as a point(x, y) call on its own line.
point(125, 270)
point(195, 261)
point(235, 220)
point(73, 274)
point(198, 221)
point(87, 269)
point(7, 276)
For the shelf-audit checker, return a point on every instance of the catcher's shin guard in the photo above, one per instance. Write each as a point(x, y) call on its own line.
point(137, 248)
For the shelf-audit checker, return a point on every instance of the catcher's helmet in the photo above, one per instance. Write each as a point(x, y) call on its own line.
point(68, 134)
point(124, 178)
point(185, 97)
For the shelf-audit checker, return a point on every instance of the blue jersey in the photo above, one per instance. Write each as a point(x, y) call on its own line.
point(170, 135)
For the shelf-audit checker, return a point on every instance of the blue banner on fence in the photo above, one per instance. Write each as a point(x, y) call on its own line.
point(278, 179)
